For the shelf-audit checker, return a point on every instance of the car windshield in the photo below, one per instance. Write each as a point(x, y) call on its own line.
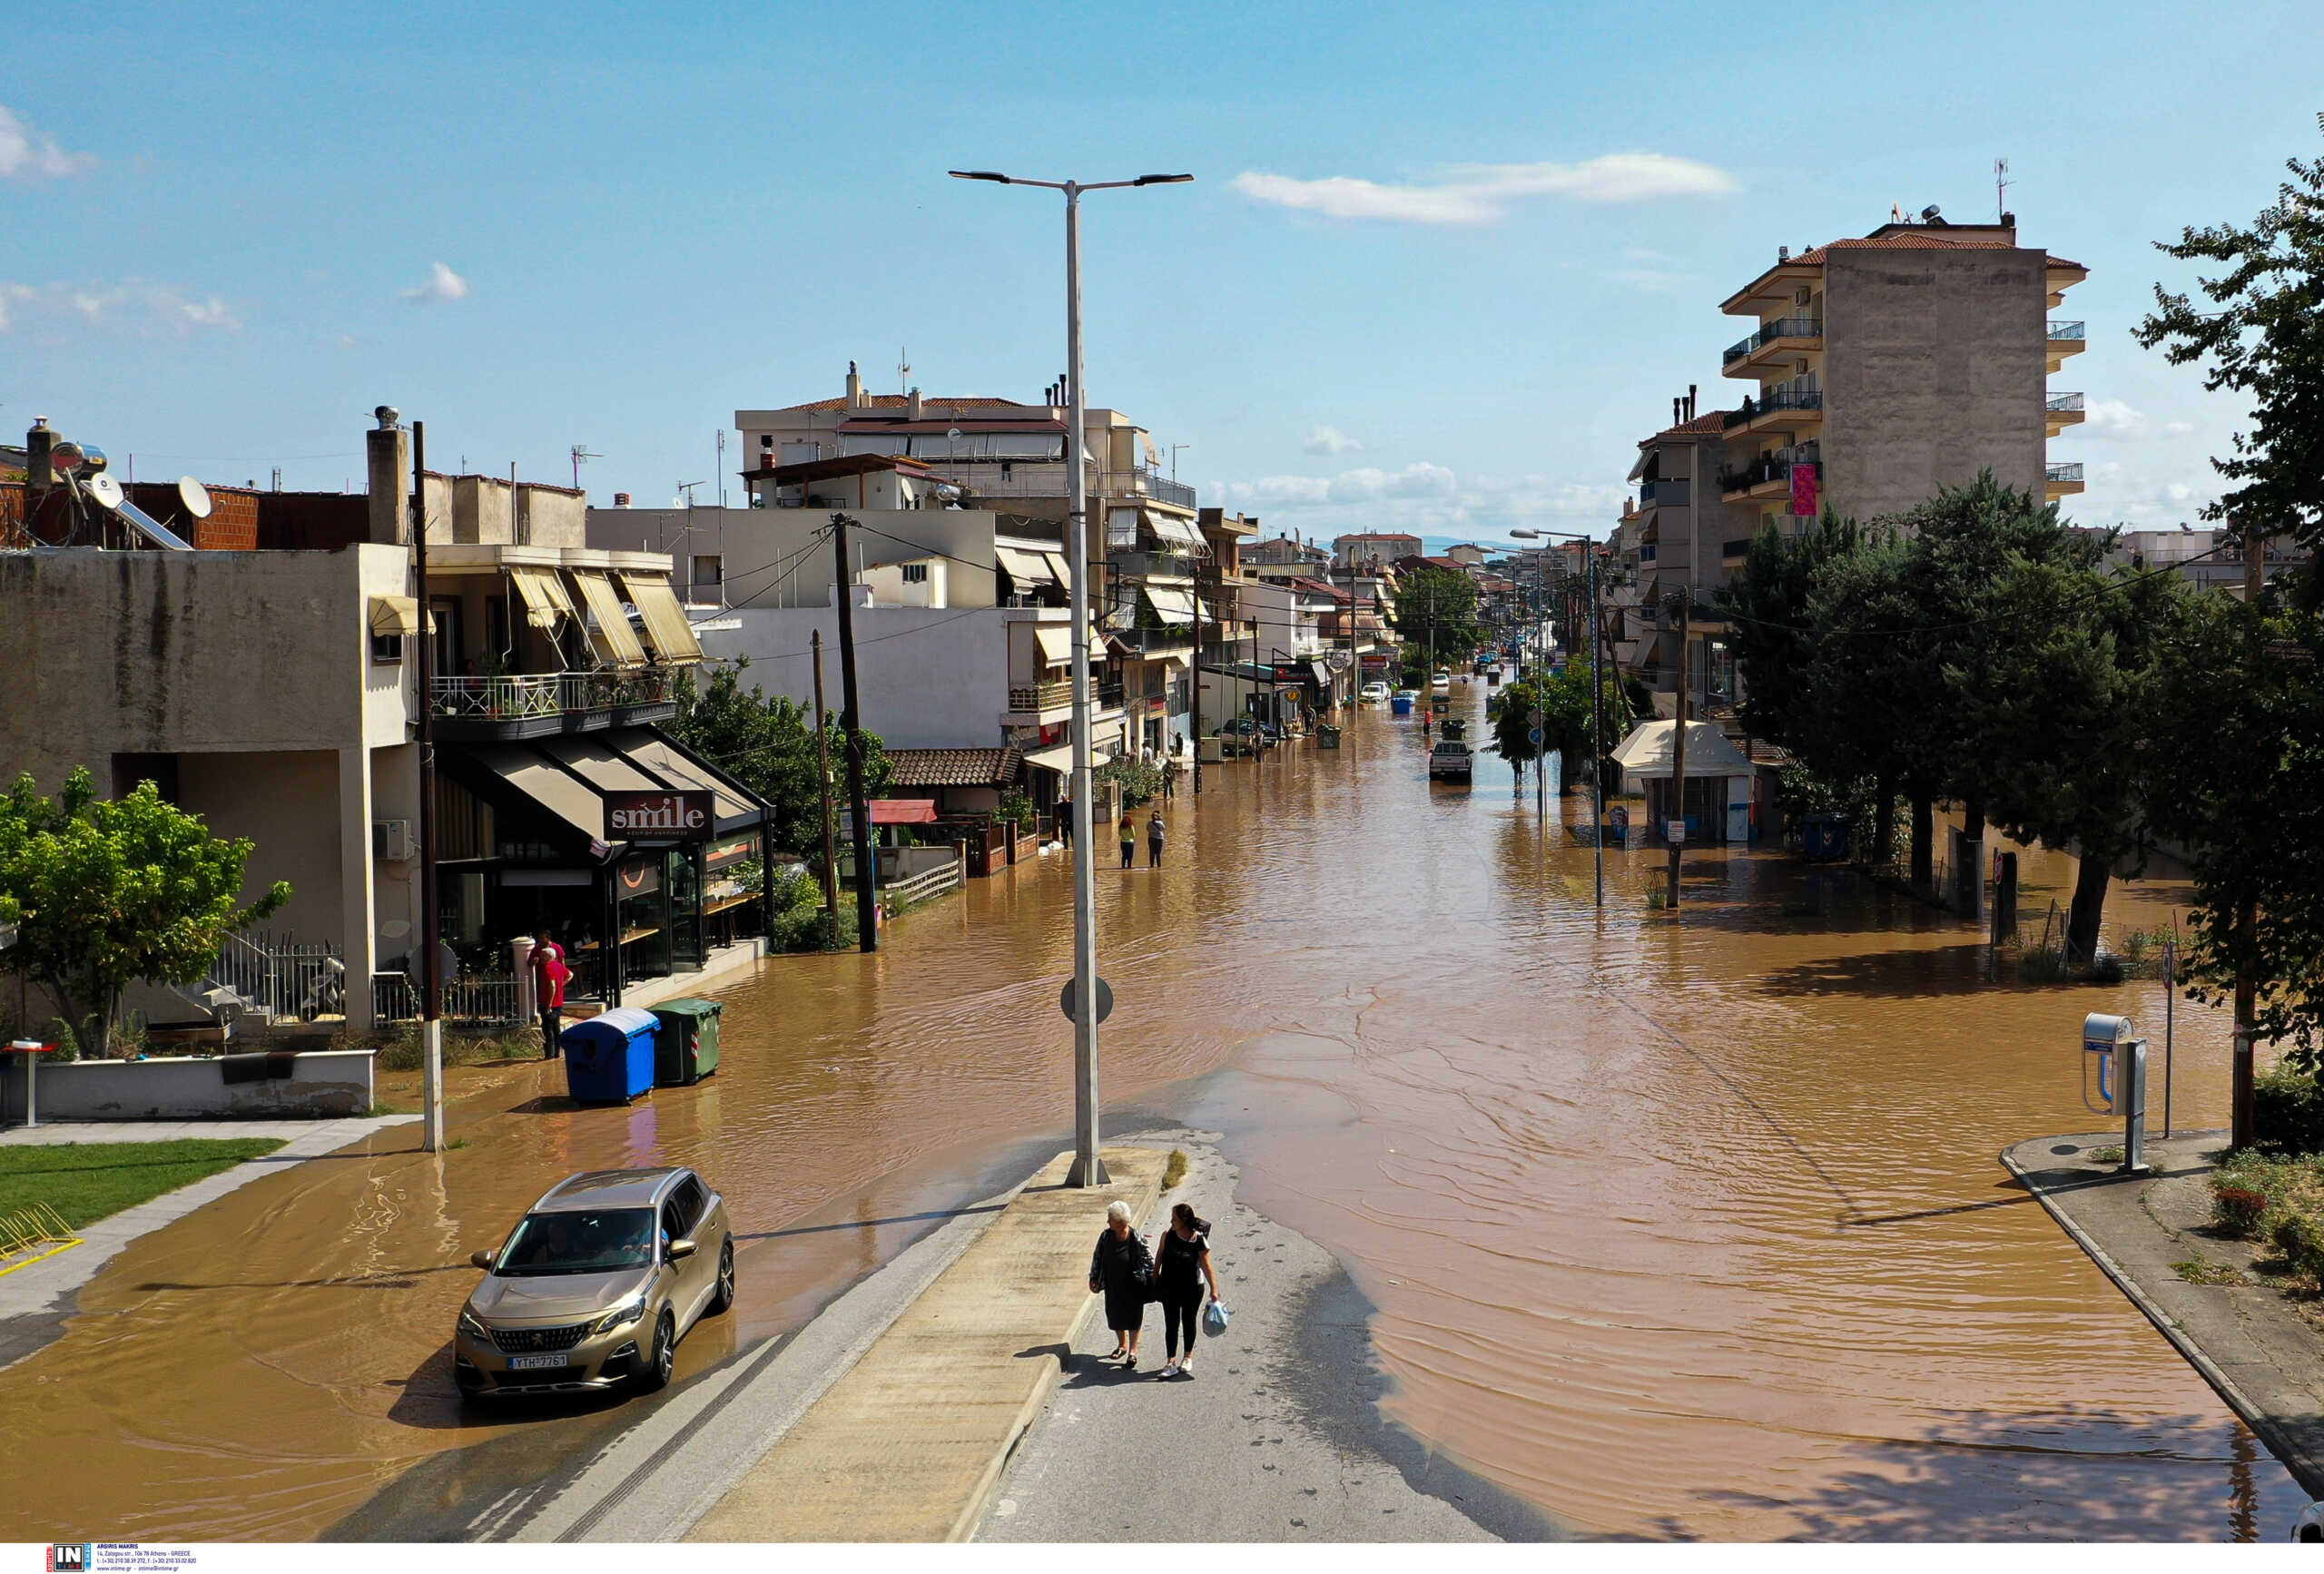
point(581, 1242)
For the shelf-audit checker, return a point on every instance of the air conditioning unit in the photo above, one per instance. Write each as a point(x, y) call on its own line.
point(391, 841)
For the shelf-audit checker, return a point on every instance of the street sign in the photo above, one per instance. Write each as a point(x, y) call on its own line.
point(1066, 1002)
point(1675, 831)
point(1533, 736)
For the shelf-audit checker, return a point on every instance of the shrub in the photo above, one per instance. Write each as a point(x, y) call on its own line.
point(2235, 1209)
point(2301, 1240)
point(2287, 1111)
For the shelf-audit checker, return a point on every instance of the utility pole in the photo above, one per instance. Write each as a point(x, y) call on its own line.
point(866, 856)
point(1194, 721)
point(2243, 1119)
point(1679, 756)
point(1596, 732)
point(431, 969)
point(824, 787)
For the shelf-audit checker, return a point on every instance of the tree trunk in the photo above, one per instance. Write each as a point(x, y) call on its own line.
point(2091, 874)
point(1923, 839)
point(1969, 879)
point(1883, 821)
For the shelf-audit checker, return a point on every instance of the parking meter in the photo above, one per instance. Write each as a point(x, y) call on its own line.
point(2113, 1065)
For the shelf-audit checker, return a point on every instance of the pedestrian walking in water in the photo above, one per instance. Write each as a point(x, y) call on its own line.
point(1155, 836)
point(1170, 780)
point(1129, 839)
point(1180, 1273)
point(1064, 822)
point(1121, 1267)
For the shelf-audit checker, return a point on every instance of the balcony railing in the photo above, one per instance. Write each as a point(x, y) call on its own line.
point(1781, 328)
point(2067, 331)
point(2072, 472)
point(1755, 474)
point(1048, 696)
point(1669, 493)
point(1140, 563)
point(2064, 402)
point(1782, 399)
point(522, 696)
point(1164, 489)
point(1109, 697)
point(1147, 642)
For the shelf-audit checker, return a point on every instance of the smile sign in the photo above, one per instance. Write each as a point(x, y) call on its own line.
point(660, 816)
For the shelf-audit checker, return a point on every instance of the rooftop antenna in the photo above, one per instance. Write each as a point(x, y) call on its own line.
point(2001, 189)
point(686, 488)
point(903, 371)
point(581, 451)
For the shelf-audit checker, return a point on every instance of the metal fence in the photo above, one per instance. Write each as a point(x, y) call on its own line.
point(281, 977)
point(396, 999)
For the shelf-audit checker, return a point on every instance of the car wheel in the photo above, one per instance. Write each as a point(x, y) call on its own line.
point(723, 1296)
point(655, 1375)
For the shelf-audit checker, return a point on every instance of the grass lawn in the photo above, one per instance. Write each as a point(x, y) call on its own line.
point(84, 1181)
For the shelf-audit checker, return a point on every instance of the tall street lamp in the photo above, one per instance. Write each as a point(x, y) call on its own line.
point(1596, 701)
point(1089, 1169)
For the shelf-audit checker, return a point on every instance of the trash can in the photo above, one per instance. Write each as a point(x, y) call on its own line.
point(686, 1050)
point(609, 1059)
point(1823, 836)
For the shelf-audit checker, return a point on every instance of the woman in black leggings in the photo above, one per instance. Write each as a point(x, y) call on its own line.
point(1181, 1269)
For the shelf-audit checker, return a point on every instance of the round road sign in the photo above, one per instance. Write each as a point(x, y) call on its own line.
point(1066, 1002)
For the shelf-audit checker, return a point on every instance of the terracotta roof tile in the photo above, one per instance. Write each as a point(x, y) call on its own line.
point(954, 767)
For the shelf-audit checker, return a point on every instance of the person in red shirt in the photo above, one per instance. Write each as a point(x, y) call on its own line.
point(549, 973)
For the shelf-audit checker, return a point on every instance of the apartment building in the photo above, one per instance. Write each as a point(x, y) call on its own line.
point(1144, 545)
point(1373, 547)
point(273, 690)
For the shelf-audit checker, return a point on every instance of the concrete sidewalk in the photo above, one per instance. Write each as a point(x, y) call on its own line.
point(34, 1300)
point(908, 1445)
point(2264, 1359)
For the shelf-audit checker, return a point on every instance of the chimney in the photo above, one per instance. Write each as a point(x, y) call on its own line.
point(37, 443)
point(387, 452)
point(1782, 254)
point(856, 399)
point(912, 405)
point(1677, 412)
point(1690, 402)
point(621, 499)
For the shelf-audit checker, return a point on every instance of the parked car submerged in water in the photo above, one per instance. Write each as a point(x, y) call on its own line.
point(596, 1286)
point(1373, 692)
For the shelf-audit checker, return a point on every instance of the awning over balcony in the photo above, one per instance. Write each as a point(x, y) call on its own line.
point(610, 634)
point(1176, 531)
point(1056, 640)
point(1172, 606)
point(1030, 568)
point(395, 614)
point(543, 596)
point(665, 620)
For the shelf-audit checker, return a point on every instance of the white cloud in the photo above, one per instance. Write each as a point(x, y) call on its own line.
point(1481, 193)
point(28, 155)
point(143, 305)
point(1424, 499)
point(2113, 418)
point(1330, 440)
point(443, 284)
point(2179, 428)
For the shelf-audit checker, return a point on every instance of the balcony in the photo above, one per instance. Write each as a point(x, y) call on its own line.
point(1032, 699)
point(2062, 480)
point(1141, 564)
point(1764, 478)
point(1750, 355)
point(1734, 551)
point(537, 705)
point(2064, 409)
point(1670, 493)
point(1779, 410)
point(2065, 338)
point(1155, 641)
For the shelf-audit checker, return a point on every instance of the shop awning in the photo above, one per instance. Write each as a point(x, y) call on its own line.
point(1026, 567)
point(610, 634)
point(591, 757)
point(395, 614)
point(1171, 605)
point(536, 777)
point(903, 811)
point(665, 620)
point(1060, 759)
point(543, 596)
point(1647, 751)
point(1323, 672)
point(658, 757)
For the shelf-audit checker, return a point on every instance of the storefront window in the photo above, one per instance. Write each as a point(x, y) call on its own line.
point(641, 909)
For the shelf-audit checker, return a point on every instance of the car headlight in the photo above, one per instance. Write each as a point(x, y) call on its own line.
point(622, 1316)
point(473, 1328)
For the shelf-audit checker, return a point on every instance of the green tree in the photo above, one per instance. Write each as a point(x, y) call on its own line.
point(2235, 749)
point(2262, 338)
point(1436, 613)
point(2056, 700)
point(767, 743)
point(1512, 726)
point(109, 891)
point(1771, 626)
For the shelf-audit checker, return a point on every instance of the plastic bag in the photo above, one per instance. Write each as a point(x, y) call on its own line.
point(1213, 1318)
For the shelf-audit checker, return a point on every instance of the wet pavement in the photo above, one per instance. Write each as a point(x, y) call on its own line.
point(1674, 1229)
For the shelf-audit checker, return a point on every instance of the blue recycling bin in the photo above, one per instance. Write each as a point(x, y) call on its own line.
point(1401, 705)
point(609, 1057)
point(1823, 836)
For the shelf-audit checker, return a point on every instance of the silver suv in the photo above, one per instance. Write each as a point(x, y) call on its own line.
point(595, 1285)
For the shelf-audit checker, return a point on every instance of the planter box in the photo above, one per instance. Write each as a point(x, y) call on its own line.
point(311, 1085)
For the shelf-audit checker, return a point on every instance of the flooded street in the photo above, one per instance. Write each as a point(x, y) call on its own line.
point(1689, 1229)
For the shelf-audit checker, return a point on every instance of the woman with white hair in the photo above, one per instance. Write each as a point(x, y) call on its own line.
point(1123, 1269)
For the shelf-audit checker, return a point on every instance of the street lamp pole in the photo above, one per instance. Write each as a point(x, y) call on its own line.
point(1597, 698)
point(1088, 1169)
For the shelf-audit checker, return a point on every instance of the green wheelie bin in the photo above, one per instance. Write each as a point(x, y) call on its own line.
point(685, 1047)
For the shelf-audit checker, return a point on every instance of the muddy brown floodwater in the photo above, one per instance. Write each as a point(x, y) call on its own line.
point(1675, 1229)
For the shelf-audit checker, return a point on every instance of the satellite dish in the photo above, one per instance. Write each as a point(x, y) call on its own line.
point(194, 497)
point(65, 457)
point(105, 489)
point(954, 435)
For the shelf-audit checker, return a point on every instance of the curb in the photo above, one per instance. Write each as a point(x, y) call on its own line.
point(2263, 1426)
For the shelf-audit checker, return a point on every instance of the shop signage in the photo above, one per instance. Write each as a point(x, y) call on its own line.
point(660, 816)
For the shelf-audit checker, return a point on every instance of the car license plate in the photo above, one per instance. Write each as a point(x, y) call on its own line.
point(535, 1362)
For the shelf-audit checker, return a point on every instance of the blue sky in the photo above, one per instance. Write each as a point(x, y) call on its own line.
point(229, 232)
